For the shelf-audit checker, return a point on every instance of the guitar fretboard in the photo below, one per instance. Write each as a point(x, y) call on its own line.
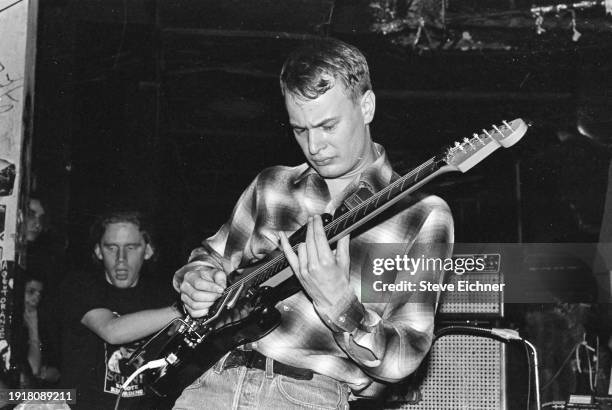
point(344, 223)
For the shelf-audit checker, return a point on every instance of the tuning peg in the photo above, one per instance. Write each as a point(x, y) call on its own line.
point(467, 141)
point(478, 138)
point(486, 133)
point(508, 125)
point(458, 146)
point(497, 129)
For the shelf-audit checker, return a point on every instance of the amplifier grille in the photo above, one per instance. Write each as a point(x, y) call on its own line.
point(464, 372)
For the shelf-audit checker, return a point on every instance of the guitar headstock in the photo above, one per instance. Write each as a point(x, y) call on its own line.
point(464, 155)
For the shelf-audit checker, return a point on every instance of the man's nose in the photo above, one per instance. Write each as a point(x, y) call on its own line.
point(315, 141)
point(122, 254)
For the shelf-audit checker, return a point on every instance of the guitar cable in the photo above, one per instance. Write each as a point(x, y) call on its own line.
point(153, 364)
point(505, 336)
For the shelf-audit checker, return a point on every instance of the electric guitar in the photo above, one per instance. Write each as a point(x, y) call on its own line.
point(245, 311)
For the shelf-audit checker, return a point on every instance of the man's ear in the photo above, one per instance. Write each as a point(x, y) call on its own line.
point(149, 251)
point(98, 251)
point(368, 106)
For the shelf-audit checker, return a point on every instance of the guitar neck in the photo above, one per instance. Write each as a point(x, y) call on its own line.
point(353, 218)
point(384, 199)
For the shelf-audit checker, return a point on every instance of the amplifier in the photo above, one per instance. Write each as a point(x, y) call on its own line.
point(461, 372)
point(456, 305)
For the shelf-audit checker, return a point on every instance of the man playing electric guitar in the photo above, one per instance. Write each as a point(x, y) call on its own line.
point(329, 347)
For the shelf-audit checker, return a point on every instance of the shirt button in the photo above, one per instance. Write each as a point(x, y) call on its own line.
point(342, 319)
point(286, 308)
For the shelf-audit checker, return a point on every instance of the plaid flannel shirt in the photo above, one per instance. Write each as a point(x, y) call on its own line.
point(361, 344)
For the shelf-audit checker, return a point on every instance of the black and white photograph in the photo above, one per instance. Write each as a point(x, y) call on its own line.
point(306, 204)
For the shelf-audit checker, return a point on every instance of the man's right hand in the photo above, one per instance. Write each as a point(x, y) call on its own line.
point(200, 285)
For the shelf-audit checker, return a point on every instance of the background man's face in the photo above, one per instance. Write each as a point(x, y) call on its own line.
point(34, 220)
point(331, 131)
point(33, 293)
point(122, 250)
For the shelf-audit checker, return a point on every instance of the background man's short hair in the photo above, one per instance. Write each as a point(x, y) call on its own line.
point(313, 69)
point(130, 216)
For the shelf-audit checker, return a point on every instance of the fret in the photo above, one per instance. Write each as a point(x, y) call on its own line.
point(335, 231)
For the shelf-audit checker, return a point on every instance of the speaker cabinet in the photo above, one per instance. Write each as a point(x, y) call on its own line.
point(461, 372)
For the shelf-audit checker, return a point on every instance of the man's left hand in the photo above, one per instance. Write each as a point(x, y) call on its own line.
point(323, 273)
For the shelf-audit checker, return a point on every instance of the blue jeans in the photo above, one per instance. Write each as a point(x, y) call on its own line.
point(244, 388)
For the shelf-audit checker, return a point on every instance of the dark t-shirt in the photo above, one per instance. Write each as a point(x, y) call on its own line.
point(89, 364)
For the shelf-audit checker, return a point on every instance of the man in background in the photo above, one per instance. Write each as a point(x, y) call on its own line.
point(107, 314)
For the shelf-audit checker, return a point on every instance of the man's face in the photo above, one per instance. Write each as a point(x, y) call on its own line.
point(122, 251)
point(34, 220)
point(33, 293)
point(332, 130)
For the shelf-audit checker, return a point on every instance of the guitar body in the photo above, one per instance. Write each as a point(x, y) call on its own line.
point(247, 323)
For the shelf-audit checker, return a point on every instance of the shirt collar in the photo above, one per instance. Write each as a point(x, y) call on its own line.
point(376, 176)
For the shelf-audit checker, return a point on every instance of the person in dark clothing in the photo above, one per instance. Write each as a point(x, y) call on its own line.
point(108, 313)
point(35, 356)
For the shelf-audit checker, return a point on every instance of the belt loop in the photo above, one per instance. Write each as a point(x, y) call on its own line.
point(220, 365)
point(269, 368)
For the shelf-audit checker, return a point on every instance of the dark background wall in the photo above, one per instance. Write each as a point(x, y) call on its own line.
point(175, 107)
